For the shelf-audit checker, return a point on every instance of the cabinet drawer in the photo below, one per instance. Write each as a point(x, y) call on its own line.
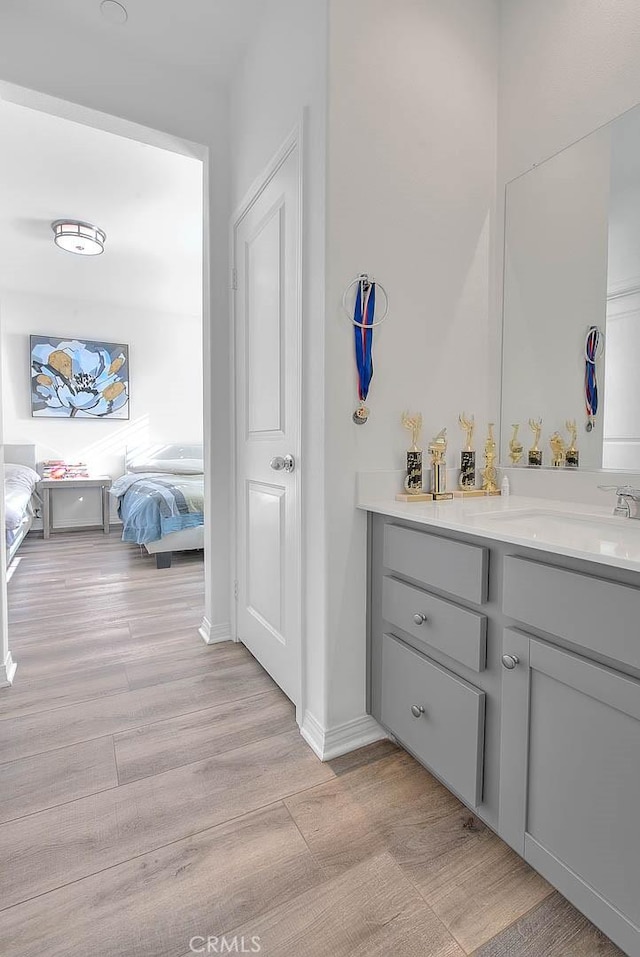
point(455, 631)
point(448, 736)
point(453, 567)
point(591, 612)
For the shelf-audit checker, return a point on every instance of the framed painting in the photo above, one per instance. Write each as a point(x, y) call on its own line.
point(79, 378)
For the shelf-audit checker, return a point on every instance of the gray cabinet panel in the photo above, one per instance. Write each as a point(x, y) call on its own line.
point(584, 772)
point(590, 612)
point(513, 741)
point(453, 567)
point(456, 631)
point(570, 779)
point(448, 734)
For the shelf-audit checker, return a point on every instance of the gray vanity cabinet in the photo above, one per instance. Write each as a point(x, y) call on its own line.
point(570, 779)
point(514, 676)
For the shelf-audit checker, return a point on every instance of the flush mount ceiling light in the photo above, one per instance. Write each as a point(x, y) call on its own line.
point(77, 237)
point(113, 11)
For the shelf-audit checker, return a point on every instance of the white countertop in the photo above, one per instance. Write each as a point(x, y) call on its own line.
point(590, 533)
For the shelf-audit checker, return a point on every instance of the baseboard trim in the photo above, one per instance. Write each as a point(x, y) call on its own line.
point(212, 634)
point(333, 742)
point(7, 671)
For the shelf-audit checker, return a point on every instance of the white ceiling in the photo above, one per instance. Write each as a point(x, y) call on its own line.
point(149, 202)
point(203, 36)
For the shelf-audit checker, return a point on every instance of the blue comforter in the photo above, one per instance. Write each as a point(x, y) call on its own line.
point(152, 505)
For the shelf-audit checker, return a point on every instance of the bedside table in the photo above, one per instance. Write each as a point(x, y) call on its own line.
point(46, 486)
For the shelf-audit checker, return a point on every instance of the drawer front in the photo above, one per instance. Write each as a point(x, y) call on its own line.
point(595, 614)
point(448, 736)
point(455, 631)
point(454, 567)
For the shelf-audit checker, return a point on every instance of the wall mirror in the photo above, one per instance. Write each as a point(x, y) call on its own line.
point(572, 262)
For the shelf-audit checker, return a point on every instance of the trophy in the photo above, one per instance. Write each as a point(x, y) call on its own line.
point(467, 480)
point(413, 481)
point(535, 455)
point(489, 474)
point(558, 450)
point(515, 446)
point(572, 456)
point(437, 451)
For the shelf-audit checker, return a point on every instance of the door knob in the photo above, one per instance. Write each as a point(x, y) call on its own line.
point(283, 463)
point(510, 661)
point(420, 618)
point(417, 710)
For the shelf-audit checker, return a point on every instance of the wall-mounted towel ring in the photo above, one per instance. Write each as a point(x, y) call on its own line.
point(367, 280)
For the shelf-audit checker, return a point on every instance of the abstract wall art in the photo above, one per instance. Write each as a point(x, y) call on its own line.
point(79, 378)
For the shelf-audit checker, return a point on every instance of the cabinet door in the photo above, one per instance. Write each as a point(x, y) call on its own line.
point(570, 780)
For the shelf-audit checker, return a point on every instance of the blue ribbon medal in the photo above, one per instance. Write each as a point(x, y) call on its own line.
point(364, 313)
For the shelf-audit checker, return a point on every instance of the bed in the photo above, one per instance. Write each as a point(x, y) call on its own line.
point(161, 500)
point(20, 497)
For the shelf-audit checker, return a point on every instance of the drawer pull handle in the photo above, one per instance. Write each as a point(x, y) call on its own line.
point(420, 618)
point(510, 661)
point(417, 710)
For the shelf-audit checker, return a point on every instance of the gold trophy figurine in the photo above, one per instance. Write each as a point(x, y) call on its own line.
point(413, 481)
point(489, 474)
point(437, 451)
point(558, 450)
point(515, 446)
point(467, 481)
point(572, 456)
point(535, 454)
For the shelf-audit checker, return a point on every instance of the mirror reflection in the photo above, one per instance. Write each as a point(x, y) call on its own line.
point(571, 335)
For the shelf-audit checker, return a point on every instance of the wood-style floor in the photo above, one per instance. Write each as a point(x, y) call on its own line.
point(156, 791)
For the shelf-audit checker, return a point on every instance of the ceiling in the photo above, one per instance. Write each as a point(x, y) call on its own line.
point(148, 200)
point(206, 37)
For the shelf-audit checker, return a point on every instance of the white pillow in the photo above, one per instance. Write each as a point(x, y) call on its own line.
point(171, 466)
point(21, 475)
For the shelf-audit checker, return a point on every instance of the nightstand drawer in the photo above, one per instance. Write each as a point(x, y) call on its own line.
point(455, 631)
point(435, 715)
point(453, 567)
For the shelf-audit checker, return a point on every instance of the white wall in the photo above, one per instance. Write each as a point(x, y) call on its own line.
point(59, 63)
point(283, 76)
point(165, 358)
point(411, 196)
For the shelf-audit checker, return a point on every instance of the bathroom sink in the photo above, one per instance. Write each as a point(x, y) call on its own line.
point(548, 524)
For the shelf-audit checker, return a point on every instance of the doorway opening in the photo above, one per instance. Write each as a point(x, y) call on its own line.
point(102, 386)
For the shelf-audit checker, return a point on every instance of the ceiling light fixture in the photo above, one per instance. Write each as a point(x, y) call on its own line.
point(76, 237)
point(113, 11)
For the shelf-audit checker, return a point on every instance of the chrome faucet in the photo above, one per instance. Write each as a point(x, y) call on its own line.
point(628, 500)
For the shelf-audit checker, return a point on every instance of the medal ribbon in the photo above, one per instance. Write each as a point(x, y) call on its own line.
point(590, 377)
point(364, 313)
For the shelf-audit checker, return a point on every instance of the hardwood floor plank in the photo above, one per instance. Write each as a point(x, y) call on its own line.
point(371, 911)
point(159, 624)
point(553, 929)
point(31, 695)
point(193, 737)
point(58, 777)
point(363, 756)
point(477, 888)
point(35, 733)
point(153, 905)
point(170, 658)
point(337, 830)
point(67, 843)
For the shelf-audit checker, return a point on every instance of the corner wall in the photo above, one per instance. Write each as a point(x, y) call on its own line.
point(411, 199)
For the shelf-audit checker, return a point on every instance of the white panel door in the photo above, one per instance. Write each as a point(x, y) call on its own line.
point(267, 376)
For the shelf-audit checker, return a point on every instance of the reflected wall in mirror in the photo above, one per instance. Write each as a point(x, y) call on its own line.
point(572, 261)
